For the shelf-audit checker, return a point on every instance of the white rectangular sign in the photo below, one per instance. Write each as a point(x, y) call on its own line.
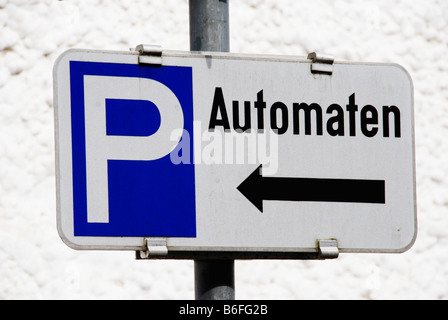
point(233, 153)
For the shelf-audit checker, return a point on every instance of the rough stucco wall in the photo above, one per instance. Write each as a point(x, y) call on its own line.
point(34, 262)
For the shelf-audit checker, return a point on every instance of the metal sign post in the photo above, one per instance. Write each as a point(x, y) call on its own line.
point(209, 25)
point(209, 31)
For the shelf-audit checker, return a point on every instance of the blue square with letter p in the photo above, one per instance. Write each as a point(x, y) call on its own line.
point(126, 120)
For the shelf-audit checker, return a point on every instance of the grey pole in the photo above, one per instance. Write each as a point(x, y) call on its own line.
point(214, 279)
point(209, 25)
point(209, 31)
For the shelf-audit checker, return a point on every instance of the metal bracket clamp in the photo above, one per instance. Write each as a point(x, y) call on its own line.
point(328, 249)
point(149, 54)
point(322, 63)
point(155, 247)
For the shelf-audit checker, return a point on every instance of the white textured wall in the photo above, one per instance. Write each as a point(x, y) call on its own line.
point(34, 262)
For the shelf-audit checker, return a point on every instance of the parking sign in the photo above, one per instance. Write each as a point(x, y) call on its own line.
point(233, 153)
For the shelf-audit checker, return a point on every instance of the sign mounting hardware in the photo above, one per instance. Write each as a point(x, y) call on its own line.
point(328, 249)
point(322, 63)
point(150, 54)
point(155, 247)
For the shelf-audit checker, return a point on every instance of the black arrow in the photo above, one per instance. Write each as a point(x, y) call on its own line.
point(257, 188)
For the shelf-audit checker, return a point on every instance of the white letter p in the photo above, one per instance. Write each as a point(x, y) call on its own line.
point(100, 147)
